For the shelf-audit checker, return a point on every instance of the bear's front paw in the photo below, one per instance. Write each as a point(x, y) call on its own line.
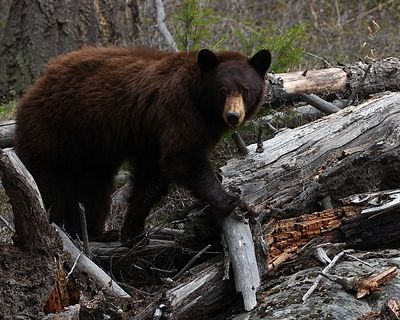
point(247, 210)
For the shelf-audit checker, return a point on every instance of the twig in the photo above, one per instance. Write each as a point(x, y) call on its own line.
point(272, 128)
point(260, 148)
point(74, 265)
point(325, 270)
point(359, 260)
point(162, 27)
point(357, 89)
point(326, 63)
point(189, 264)
point(85, 237)
point(7, 224)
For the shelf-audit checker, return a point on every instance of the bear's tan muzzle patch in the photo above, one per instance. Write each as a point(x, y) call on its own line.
point(234, 111)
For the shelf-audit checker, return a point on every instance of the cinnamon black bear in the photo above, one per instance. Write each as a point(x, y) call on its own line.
point(163, 112)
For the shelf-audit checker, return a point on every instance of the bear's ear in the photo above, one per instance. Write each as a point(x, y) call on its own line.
point(261, 61)
point(207, 60)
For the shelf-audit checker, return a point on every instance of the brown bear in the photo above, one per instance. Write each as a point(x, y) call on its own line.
point(163, 112)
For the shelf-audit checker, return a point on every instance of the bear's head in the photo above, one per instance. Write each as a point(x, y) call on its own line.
point(233, 85)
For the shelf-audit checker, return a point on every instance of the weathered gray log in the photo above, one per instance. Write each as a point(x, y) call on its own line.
point(384, 75)
point(86, 265)
point(353, 150)
point(33, 232)
point(239, 242)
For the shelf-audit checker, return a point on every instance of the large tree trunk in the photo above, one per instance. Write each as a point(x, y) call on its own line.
point(38, 30)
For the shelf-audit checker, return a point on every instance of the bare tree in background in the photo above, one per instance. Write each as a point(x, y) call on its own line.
point(38, 30)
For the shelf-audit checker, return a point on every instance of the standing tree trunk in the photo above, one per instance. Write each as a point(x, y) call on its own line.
point(38, 30)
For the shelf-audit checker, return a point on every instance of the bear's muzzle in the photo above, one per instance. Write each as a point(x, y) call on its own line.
point(234, 111)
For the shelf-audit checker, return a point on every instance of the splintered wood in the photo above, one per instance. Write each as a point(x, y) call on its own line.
point(286, 237)
point(365, 286)
point(368, 220)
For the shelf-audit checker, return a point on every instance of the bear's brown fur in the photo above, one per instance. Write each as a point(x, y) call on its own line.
point(163, 112)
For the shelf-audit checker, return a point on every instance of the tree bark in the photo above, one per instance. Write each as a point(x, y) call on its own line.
point(39, 30)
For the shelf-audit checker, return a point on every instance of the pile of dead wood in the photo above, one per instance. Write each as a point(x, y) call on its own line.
point(324, 193)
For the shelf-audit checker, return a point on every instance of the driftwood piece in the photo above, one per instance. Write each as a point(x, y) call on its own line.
point(88, 266)
point(33, 232)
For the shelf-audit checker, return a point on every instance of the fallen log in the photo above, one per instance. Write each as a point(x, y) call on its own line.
point(85, 264)
point(32, 230)
point(383, 75)
point(352, 151)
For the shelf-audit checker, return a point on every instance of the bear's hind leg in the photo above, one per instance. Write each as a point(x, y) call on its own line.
point(59, 199)
point(96, 201)
point(148, 187)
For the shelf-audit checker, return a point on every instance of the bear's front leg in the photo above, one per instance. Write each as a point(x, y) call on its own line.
point(197, 174)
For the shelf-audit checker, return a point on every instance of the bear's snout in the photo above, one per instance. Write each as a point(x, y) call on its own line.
point(234, 110)
point(233, 118)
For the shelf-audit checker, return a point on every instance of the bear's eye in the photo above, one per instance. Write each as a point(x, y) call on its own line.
point(245, 91)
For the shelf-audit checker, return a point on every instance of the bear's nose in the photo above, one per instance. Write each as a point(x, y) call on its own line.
point(233, 118)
